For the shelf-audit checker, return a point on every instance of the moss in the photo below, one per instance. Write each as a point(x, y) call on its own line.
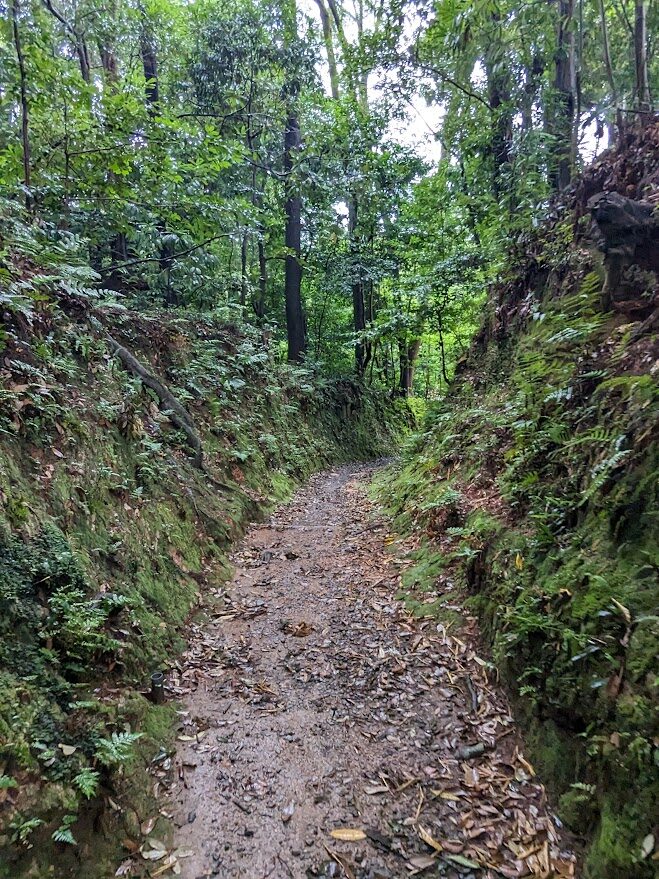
point(109, 537)
point(616, 849)
point(550, 429)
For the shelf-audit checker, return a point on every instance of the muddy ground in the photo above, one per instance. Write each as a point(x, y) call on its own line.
point(316, 708)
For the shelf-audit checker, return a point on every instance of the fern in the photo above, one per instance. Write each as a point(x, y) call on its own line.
point(87, 782)
point(601, 472)
point(63, 832)
point(117, 749)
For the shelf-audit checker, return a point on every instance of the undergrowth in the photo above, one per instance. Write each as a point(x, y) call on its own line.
point(534, 486)
point(110, 536)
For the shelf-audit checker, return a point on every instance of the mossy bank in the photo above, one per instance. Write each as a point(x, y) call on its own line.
point(113, 529)
point(534, 487)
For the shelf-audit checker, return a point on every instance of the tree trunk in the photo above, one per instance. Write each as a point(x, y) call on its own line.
point(295, 323)
point(78, 40)
point(25, 110)
point(259, 302)
point(244, 280)
point(606, 51)
point(498, 88)
point(409, 351)
point(561, 127)
point(149, 66)
point(358, 305)
point(329, 49)
point(641, 56)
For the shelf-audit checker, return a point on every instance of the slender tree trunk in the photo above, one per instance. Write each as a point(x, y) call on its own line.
point(498, 87)
point(561, 126)
point(149, 66)
point(25, 109)
point(532, 79)
point(259, 302)
point(329, 48)
point(442, 350)
point(641, 56)
point(409, 351)
point(295, 321)
point(244, 281)
point(119, 243)
point(606, 51)
point(358, 305)
point(77, 39)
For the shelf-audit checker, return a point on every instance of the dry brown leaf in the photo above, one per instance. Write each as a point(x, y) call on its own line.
point(427, 838)
point(421, 862)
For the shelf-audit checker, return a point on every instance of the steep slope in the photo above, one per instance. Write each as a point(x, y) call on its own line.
point(133, 450)
point(535, 487)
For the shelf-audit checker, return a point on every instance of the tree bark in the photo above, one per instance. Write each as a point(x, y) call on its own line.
point(77, 38)
point(561, 127)
point(641, 56)
point(244, 280)
point(358, 306)
point(295, 322)
point(25, 109)
point(606, 52)
point(149, 66)
point(259, 305)
point(409, 351)
point(329, 48)
point(498, 88)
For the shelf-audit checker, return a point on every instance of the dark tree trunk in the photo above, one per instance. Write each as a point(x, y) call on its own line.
point(295, 323)
point(149, 66)
point(358, 307)
point(409, 351)
point(498, 89)
point(244, 280)
point(78, 40)
point(118, 245)
point(259, 302)
point(25, 110)
point(565, 87)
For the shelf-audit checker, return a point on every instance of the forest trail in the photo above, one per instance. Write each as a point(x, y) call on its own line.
point(315, 703)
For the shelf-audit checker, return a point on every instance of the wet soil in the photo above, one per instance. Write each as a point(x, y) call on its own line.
point(317, 707)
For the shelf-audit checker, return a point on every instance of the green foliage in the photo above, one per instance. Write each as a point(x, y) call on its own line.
point(552, 465)
point(117, 749)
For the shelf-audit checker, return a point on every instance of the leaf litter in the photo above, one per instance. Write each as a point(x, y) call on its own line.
point(325, 732)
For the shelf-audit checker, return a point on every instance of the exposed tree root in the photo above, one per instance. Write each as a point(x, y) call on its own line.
point(176, 412)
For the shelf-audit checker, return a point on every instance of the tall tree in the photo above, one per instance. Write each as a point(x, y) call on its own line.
point(295, 321)
point(561, 114)
point(24, 105)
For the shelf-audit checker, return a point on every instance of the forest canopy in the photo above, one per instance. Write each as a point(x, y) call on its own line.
point(246, 157)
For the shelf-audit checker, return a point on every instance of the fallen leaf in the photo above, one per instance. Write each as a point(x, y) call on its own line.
point(462, 861)
point(348, 834)
point(422, 862)
point(67, 750)
point(647, 846)
point(427, 838)
point(147, 826)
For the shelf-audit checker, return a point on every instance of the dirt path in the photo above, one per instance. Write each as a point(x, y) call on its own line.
point(320, 705)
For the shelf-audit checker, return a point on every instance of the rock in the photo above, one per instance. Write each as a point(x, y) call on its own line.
point(627, 232)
